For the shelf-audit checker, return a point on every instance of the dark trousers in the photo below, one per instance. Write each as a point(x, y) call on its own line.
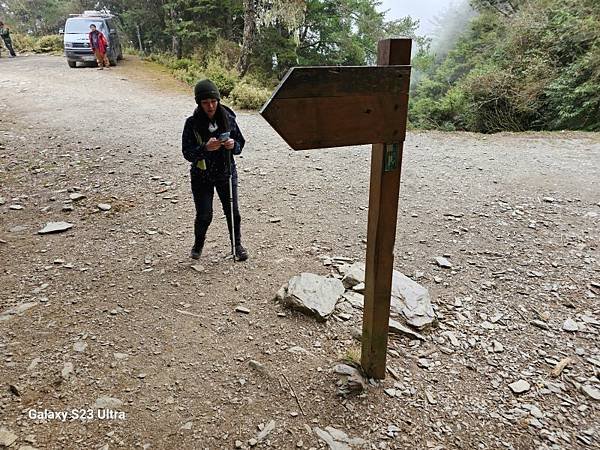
point(203, 199)
point(8, 43)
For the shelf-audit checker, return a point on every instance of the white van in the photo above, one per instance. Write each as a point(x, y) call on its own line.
point(77, 42)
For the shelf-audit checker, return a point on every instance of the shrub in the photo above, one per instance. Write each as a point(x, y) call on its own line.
point(23, 42)
point(183, 63)
point(247, 96)
point(225, 79)
point(49, 44)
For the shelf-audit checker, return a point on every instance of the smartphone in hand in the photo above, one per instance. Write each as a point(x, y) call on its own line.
point(224, 136)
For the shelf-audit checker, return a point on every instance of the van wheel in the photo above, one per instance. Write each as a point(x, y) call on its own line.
point(72, 64)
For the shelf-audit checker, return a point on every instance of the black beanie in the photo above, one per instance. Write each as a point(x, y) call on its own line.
point(206, 89)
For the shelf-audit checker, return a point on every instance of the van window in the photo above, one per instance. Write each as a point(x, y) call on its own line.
point(81, 26)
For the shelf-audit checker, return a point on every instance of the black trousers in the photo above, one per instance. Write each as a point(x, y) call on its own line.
point(203, 199)
point(8, 43)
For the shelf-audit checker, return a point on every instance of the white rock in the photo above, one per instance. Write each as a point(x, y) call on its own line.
point(520, 386)
point(79, 346)
point(443, 262)
point(67, 370)
point(591, 392)
point(106, 402)
point(104, 206)
point(313, 294)
point(16, 310)
point(355, 299)
point(265, 431)
point(408, 298)
point(76, 196)
point(570, 325)
point(397, 328)
point(7, 438)
point(55, 227)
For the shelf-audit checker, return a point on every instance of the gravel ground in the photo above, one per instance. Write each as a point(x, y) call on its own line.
point(113, 316)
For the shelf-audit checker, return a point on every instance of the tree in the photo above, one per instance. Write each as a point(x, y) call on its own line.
point(261, 13)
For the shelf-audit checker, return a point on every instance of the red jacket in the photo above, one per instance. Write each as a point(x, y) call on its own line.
point(101, 44)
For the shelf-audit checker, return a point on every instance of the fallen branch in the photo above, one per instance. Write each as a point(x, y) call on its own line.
point(560, 366)
point(294, 395)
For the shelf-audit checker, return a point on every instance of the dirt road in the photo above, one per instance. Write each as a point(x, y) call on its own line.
point(114, 309)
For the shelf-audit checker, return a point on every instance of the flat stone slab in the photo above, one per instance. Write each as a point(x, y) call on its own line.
point(16, 310)
point(409, 299)
point(520, 387)
point(55, 227)
point(313, 294)
point(106, 402)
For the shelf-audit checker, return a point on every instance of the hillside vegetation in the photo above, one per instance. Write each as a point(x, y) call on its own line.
point(520, 65)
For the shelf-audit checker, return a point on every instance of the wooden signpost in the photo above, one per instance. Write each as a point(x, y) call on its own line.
point(319, 107)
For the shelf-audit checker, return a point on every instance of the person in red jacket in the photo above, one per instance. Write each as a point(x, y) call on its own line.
point(98, 45)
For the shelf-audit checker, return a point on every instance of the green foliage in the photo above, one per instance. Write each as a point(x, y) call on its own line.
point(247, 96)
point(26, 43)
point(519, 66)
point(49, 44)
point(225, 79)
point(23, 43)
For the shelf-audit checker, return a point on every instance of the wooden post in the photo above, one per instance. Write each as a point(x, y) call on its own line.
point(386, 164)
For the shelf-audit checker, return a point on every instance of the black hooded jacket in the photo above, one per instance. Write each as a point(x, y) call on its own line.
point(210, 167)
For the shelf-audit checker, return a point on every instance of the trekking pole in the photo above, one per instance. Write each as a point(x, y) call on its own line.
point(233, 243)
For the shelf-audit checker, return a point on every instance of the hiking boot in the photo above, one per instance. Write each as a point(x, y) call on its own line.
point(196, 252)
point(240, 253)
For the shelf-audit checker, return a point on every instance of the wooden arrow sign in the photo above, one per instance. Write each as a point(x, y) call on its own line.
point(319, 107)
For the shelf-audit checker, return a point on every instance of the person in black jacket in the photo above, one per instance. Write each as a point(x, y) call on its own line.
point(207, 146)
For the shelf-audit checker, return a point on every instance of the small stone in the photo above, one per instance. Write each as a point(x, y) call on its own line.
point(16, 207)
point(79, 346)
point(396, 327)
point(76, 196)
point(104, 206)
point(257, 366)
point(186, 426)
point(265, 431)
point(519, 387)
point(7, 438)
point(242, 309)
point(443, 262)
point(198, 268)
point(239, 444)
point(591, 392)
point(360, 288)
point(570, 325)
point(55, 227)
point(106, 402)
point(424, 363)
point(540, 324)
point(275, 219)
point(252, 442)
point(549, 199)
point(67, 370)
point(497, 347)
point(391, 392)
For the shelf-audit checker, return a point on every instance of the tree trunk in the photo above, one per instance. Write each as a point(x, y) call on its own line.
point(175, 38)
point(249, 36)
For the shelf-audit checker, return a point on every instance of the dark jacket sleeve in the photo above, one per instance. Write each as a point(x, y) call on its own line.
point(237, 136)
point(192, 150)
